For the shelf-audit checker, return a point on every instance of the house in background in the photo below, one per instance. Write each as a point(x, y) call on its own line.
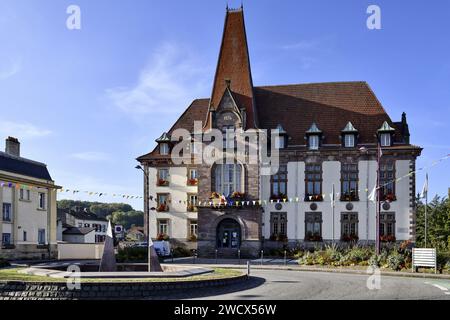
point(82, 219)
point(28, 205)
point(135, 234)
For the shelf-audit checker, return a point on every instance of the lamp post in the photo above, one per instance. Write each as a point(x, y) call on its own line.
point(148, 216)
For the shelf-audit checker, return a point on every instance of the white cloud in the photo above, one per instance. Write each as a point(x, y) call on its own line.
point(91, 156)
point(22, 130)
point(11, 70)
point(173, 77)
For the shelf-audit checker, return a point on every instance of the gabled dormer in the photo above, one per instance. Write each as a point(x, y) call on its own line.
point(349, 136)
point(164, 144)
point(313, 136)
point(386, 135)
point(282, 141)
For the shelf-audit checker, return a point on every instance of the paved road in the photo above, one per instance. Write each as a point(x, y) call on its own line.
point(292, 285)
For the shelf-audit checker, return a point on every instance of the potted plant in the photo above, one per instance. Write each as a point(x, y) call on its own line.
point(387, 238)
point(162, 182)
point(279, 196)
point(217, 199)
point(193, 238)
point(162, 207)
point(389, 197)
point(192, 182)
point(313, 237)
point(236, 195)
point(314, 197)
point(282, 238)
point(349, 238)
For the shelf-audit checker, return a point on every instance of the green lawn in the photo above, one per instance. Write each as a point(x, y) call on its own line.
point(219, 273)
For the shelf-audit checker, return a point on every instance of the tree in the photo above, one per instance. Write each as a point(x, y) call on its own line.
point(127, 219)
point(438, 230)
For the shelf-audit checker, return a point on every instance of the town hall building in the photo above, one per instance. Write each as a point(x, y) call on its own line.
point(328, 143)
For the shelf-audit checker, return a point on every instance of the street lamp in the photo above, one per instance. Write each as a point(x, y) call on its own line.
point(148, 215)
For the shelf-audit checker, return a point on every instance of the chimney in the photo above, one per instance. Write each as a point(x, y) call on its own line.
point(12, 146)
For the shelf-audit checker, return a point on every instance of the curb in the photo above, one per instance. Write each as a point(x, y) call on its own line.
point(344, 271)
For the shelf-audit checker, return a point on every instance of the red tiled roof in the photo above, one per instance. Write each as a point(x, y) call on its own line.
point(330, 105)
point(234, 65)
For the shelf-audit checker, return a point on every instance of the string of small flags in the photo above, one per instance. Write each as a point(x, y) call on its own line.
point(222, 201)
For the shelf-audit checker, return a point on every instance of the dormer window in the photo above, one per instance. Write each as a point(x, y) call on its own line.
point(313, 135)
point(164, 149)
point(163, 143)
point(349, 134)
point(385, 139)
point(281, 139)
point(349, 140)
point(385, 134)
point(313, 142)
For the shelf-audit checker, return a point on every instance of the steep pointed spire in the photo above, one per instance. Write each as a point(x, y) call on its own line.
point(233, 67)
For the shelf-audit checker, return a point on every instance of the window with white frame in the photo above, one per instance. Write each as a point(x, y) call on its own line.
point(41, 236)
point(228, 178)
point(349, 140)
point(163, 227)
point(192, 174)
point(193, 228)
point(42, 201)
point(385, 139)
point(313, 142)
point(163, 148)
point(7, 212)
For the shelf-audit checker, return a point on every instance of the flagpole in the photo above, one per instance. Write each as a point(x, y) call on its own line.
point(378, 209)
point(426, 205)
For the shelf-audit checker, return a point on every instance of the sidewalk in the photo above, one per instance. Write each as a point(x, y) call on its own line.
point(292, 265)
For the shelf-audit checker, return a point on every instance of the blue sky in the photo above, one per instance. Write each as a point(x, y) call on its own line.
point(88, 102)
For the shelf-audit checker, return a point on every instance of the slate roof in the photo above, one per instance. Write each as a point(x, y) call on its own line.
point(78, 231)
point(81, 215)
point(23, 166)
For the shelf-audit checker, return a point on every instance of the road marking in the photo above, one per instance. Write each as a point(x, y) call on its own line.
point(440, 287)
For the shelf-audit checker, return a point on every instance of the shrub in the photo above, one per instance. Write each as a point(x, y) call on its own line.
point(130, 254)
point(307, 259)
point(443, 260)
point(4, 263)
point(356, 255)
point(396, 261)
point(179, 252)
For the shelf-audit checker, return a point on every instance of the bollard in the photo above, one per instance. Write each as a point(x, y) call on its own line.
point(262, 256)
point(285, 257)
point(239, 256)
point(171, 252)
point(248, 268)
point(216, 256)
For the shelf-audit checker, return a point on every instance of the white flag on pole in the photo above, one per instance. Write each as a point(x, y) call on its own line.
point(424, 192)
point(372, 195)
point(332, 197)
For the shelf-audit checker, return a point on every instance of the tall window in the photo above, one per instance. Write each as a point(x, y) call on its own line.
point(41, 236)
point(387, 226)
point(228, 178)
point(163, 177)
point(278, 225)
point(313, 141)
point(192, 202)
point(279, 183)
point(163, 148)
point(385, 139)
point(42, 203)
point(162, 202)
point(387, 180)
point(6, 238)
point(349, 140)
point(193, 228)
point(349, 176)
point(7, 212)
point(349, 226)
point(313, 226)
point(313, 181)
point(229, 138)
point(24, 194)
point(25, 236)
point(163, 227)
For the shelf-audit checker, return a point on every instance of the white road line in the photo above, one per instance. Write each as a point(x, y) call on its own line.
point(440, 287)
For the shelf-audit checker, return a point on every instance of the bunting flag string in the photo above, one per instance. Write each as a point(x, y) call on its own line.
point(222, 201)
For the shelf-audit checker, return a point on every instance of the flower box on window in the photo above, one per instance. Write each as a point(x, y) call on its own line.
point(349, 238)
point(162, 207)
point(237, 196)
point(191, 208)
point(276, 197)
point(314, 197)
point(192, 182)
point(352, 196)
point(193, 238)
point(388, 238)
point(388, 197)
point(217, 199)
point(162, 183)
point(313, 237)
point(162, 237)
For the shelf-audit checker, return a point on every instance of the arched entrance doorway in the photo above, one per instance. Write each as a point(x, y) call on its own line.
point(228, 234)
